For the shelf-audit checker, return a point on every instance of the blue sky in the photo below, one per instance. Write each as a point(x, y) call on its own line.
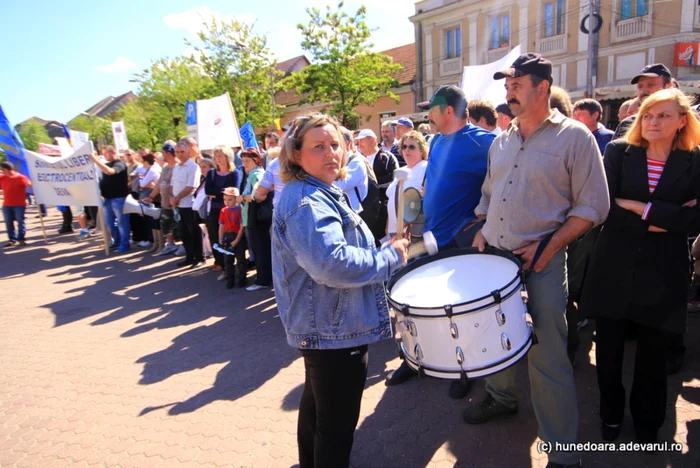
point(60, 58)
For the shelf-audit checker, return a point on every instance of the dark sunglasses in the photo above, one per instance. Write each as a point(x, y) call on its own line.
point(405, 147)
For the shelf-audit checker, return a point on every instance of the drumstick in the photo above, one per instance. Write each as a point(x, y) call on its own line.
point(427, 245)
point(401, 174)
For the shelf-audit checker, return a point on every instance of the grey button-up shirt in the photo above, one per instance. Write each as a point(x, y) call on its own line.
point(532, 187)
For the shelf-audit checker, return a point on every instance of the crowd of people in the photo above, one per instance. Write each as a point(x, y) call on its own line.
point(538, 176)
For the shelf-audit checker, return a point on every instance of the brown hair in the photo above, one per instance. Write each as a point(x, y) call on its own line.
point(253, 154)
point(419, 139)
point(290, 169)
point(559, 99)
point(689, 136)
point(479, 109)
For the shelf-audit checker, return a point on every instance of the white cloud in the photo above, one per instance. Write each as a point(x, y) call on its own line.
point(120, 65)
point(195, 20)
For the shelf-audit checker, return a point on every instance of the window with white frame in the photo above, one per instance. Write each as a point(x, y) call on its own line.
point(554, 18)
point(453, 42)
point(633, 8)
point(500, 31)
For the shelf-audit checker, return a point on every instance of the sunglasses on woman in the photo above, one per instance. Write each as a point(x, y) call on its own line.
point(405, 147)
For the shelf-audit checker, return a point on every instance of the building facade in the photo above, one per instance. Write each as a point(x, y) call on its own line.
point(451, 34)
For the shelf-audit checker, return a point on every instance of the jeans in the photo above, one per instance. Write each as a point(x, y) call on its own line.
point(114, 211)
point(14, 214)
point(330, 405)
point(551, 374)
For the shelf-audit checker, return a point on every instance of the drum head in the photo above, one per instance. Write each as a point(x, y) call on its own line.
point(455, 279)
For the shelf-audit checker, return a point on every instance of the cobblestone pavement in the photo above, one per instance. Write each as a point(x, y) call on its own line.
point(129, 361)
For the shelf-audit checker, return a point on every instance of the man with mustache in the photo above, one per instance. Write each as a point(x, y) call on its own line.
point(651, 79)
point(537, 198)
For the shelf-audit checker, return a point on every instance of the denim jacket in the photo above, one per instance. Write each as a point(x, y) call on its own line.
point(327, 274)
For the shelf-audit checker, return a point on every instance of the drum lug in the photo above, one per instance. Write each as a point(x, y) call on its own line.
point(464, 377)
point(500, 317)
point(418, 352)
point(496, 296)
point(404, 310)
point(448, 311)
point(534, 335)
point(505, 342)
point(460, 356)
point(454, 331)
point(412, 328)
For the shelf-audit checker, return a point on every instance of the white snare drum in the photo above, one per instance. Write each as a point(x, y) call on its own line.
point(461, 313)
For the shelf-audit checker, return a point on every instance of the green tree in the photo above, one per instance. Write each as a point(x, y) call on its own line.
point(32, 133)
point(164, 89)
point(238, 60)
point(99, 129)
point(345, 73)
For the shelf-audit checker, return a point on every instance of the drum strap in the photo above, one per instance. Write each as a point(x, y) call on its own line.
point(538, 253)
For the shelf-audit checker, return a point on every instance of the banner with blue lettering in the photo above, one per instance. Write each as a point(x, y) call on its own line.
point(248, 136)
point(70, 180)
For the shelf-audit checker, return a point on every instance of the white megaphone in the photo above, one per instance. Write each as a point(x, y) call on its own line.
point(131, 205)
point(427, 246)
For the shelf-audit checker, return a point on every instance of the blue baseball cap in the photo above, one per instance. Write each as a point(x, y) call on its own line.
point(405, 121)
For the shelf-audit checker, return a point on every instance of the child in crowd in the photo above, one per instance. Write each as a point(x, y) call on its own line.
point(232, 238)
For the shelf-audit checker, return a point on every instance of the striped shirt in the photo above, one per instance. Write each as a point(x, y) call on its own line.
point(654, 168)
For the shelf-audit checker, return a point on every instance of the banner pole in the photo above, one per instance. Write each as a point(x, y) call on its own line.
point(43, 228)
point(101, 225)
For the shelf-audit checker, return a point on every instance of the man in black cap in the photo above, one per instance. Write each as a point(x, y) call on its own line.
point(453, 178)
point(504, 116)
point(651, 79)
point(545, 188)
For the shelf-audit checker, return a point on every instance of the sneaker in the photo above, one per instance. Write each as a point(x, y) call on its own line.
point(22, 242)
point(83, 234)
point(124, 249)
point(167, 250)
point(184, 263)
point(582, 324)
point(145, 244)
point(180, 251)
point(113, 247)
point(65, 230)
point(459, 389)
point(221, 277)
point(487, 410)
point(10, 244)
point(255, 287)
point(400, 375)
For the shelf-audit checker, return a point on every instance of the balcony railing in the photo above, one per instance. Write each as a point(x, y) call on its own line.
point(494, 54)
point(451, 66)
point(633, 28)
point(552, 45)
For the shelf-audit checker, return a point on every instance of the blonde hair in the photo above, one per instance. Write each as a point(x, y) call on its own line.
point(226, 151)
point(290, 168)
point(689, 136)
point(273, 153)
point(419, 139)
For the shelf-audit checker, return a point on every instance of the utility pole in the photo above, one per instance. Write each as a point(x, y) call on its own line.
point(592, 71)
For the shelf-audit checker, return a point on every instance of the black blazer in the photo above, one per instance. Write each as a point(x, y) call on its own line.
point(636, 274)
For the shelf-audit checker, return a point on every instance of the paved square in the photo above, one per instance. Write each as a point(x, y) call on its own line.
point(129, 361)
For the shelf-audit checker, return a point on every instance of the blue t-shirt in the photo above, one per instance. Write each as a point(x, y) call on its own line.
point(602, 137)
point(456, 171)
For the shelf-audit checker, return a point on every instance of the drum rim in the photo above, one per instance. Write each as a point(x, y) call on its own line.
point(527, 343)
point(400, 307)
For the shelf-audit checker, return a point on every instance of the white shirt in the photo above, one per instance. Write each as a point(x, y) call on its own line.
point(356, 178)
point(186, 175)
point(151, 175)
point(371, 158)
point(387, 149)
point(415, 180)
point(271, 180)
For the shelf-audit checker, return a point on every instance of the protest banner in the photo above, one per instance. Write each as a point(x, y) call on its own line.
point(212, 122)
point(78, 139)
point(121, 143)
point(49, 150)
point(478, 82)
point(64, 146)
point(65, 181)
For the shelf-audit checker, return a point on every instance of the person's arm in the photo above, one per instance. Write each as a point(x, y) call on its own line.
point(618, 216)
point(102, 166)
point(572, 229)
point(27, 182)
point(221, 233)
point(315, 234)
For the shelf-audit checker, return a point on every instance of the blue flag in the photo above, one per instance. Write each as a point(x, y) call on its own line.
point(248, 136)
point(12, 145)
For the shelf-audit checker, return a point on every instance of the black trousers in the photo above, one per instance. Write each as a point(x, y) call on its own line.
point(213, 230)
point(236, 266)
point(648, 395)
point(260, 242)
point(330, 405)
point(191, 235)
